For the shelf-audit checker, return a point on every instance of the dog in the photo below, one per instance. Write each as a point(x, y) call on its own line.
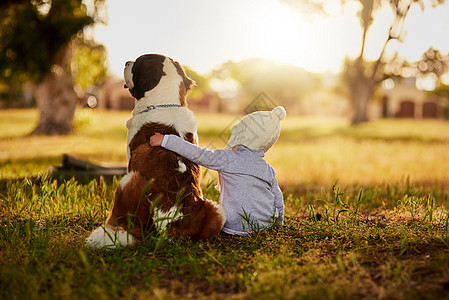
point(160, 192)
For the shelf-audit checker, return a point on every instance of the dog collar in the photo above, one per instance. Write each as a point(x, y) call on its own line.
point(151, 107)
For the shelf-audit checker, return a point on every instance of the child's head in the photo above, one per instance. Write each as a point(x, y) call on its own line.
point(258, 130)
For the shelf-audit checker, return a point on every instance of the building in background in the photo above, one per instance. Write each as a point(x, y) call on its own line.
point(401, 99)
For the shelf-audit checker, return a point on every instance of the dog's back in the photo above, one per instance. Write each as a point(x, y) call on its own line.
point(158, 181)
point(161, 192)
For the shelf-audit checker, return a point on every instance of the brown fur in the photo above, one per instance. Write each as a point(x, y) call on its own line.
point(150, 69)
point(156, 181)
point(188, 83)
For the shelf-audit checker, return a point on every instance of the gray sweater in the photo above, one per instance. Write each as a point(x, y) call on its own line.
point(248, 184)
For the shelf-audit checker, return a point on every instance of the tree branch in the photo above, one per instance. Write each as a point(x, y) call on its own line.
point(399, 21)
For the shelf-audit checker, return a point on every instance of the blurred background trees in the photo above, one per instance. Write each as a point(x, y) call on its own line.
point(88, 63)
point(36, 39)
point(287, 84)
point(49, 58)
point(362, 76)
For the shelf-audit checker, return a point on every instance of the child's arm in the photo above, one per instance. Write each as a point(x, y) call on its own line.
point(215, 160)
point(278, 200)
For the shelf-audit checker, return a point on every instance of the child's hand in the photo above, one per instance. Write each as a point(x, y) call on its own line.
point(156, 139)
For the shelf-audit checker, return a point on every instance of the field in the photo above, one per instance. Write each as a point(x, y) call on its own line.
point(366, 217)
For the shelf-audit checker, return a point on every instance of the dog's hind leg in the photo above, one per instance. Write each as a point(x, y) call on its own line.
point(114, 233)
point(105, 237)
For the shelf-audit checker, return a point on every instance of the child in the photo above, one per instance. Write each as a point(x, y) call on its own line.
point(248, 184)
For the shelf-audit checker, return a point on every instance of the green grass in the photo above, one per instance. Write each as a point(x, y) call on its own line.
point(366, 217)
point(336, 244)
point(310, 151)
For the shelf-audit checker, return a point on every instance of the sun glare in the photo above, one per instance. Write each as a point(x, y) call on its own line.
point(316, 43)
point(268, 29)
point(281, 36)
point(320, 43)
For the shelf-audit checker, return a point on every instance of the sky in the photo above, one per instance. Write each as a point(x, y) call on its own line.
point(205, 33)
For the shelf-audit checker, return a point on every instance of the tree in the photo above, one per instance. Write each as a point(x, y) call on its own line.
point(362, 76)
point(88, 63)
point(285, 84)
point(35, 39)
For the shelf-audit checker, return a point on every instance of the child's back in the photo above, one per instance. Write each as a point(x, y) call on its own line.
point(249, 191)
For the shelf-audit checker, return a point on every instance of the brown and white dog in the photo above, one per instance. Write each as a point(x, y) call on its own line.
point(160, 192)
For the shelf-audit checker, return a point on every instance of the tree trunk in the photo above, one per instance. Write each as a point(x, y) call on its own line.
point(361, 97)
point(361, 89)
point(56, 99)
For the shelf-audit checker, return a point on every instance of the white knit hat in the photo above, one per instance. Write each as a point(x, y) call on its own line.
point(258, 130)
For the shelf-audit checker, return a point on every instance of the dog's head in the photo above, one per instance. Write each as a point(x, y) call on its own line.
point(153, 71)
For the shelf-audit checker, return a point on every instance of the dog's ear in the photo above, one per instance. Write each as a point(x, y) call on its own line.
point(188, 83)
point(147, 72)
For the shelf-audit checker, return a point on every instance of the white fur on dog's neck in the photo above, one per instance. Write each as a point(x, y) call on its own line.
point(181, 118)
point(166, 92)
